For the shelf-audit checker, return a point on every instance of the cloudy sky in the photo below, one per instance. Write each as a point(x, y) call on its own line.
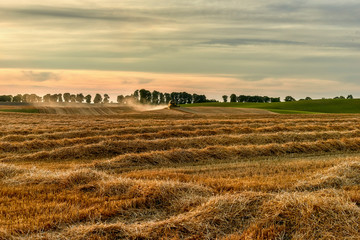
point(214, 47)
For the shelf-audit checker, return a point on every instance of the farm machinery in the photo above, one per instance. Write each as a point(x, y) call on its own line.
point(172, 104)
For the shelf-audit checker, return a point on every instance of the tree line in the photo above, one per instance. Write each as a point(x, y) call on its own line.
point(142, 96)
point(266, 99)
point(54, 98)
point(155, 97)
point(250, 99)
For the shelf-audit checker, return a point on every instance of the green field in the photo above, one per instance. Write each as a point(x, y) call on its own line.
point(298, 107)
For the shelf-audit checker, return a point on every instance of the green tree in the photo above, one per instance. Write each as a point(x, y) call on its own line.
point(155, 97)
point(6, 98)
point(350, 97)
point(162, 98)
point(145, 96)
point(233, 98)
point(225, 98)
point(308, 98)
point(167, 97)
point(289, 99)
point(274, 99)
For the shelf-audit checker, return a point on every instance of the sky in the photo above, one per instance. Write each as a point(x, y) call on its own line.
point(214, 47)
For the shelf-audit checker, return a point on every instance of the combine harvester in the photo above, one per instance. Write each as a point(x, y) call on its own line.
point(172, 104)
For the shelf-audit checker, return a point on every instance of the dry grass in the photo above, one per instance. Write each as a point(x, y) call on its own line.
point(169, 176)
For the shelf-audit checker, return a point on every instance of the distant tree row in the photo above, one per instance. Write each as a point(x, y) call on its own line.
point(53, 98)
point(289, 98)
point(144, 96)
point(252, 99)
point(266, 99)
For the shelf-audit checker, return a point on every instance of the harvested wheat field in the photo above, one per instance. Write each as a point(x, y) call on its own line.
point(166, 175)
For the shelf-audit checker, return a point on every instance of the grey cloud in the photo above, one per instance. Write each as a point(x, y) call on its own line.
point(289, 6)
point(245, 41)
point(272, 38)
point(78, 13)
point(40, 76)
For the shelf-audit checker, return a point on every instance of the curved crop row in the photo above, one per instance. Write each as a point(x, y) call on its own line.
point(229, 152)
point(133, 144)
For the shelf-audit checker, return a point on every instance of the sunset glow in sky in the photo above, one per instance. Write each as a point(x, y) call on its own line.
point(273, 47)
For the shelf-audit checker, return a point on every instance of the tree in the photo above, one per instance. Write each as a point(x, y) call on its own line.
point(25, 97)
point(199, 98)
point(241, 98)
point(266, 99)
point(350, 97)
point(130, 99)
point(98, 98)
point(187, 98)
point(60, 98)
point(80, 98)
point(17, 98)
point(233, 98)
point(155, 97)
point(88, 98)
point(272, 99)
point(137, 95)
point(67, 97)
point(72, 98)
point(289, 99)
point(162, 98)
point(145, 96)
point(120, 99)
point(46, 98)
point(167, 97)
point(6, 98)
point(308, 98)
point(54, 98)
point(225, 98)
point(106, 98)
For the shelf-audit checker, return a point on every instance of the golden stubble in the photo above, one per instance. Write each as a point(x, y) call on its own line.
point(153, 176)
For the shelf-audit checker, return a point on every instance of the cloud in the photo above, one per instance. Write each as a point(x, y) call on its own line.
point(253, 40)
point(247, 41)
point(78, 13)
point(40, 76)
point(145, 80)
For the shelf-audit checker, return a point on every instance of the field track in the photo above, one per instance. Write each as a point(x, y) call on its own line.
point(204, 174)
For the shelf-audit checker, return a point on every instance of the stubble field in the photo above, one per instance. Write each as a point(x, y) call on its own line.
point(172, 175)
